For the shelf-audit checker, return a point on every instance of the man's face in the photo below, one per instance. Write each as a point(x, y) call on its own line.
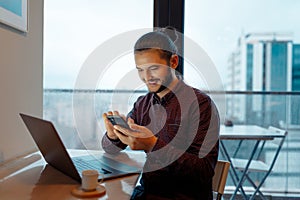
point(153, 70)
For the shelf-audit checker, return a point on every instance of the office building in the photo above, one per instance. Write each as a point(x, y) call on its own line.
point(263, 62)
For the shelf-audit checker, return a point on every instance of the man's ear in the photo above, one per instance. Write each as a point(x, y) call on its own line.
point(174, 61)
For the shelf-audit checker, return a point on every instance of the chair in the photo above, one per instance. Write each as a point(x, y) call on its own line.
point(260, 166)
point(220, 177)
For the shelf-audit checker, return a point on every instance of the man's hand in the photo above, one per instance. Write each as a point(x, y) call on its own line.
point(139, 138)
point(109, 127)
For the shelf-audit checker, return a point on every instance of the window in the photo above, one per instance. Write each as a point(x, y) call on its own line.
point(73, 29)
point(224, 29)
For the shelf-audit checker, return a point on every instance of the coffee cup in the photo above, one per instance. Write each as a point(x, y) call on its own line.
point(90, 180)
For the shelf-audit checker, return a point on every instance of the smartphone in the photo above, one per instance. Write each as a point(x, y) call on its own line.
point(118, 120)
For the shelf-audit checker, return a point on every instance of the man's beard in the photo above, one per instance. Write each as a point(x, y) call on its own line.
point(168, 80)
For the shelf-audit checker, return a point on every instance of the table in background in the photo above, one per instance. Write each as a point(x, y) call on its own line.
point(243, 133)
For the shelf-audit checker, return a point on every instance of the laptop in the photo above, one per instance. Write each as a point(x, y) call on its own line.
point(53, 150)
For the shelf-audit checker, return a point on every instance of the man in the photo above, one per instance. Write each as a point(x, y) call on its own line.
point(176, 125)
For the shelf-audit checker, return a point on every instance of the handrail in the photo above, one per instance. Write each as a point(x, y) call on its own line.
point(144, 91)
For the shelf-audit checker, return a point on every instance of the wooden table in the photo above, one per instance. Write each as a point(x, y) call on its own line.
point(30, 177)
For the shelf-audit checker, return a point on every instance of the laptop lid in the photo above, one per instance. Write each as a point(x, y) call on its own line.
point(50, 145)
point(55, 153)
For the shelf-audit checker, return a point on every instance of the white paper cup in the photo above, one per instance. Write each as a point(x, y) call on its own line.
point(89, 180)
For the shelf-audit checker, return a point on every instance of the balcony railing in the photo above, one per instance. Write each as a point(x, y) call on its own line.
point(77, 116)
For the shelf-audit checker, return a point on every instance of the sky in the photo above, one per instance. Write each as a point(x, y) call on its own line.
point(73, 29)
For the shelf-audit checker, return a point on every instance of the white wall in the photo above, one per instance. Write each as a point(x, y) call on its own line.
point(21, 82)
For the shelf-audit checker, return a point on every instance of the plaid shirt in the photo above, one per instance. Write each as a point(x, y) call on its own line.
point(186, 123)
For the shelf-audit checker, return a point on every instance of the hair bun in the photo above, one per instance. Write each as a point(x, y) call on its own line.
point(170, 31)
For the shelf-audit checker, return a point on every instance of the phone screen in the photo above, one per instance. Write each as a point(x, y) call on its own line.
point(118, 120)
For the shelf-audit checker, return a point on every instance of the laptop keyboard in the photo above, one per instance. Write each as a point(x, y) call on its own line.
point(84, 165)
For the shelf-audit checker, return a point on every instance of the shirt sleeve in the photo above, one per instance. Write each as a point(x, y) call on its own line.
point(112, 146)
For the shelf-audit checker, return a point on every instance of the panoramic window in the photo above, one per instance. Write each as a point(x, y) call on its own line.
point(249, 65)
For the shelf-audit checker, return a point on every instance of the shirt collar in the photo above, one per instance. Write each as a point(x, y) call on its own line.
point(165, 99)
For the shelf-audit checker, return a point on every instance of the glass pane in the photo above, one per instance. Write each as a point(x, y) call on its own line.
point(255, 46)
point(73, 30)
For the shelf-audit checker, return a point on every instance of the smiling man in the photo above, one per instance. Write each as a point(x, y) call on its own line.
point(176, 125)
